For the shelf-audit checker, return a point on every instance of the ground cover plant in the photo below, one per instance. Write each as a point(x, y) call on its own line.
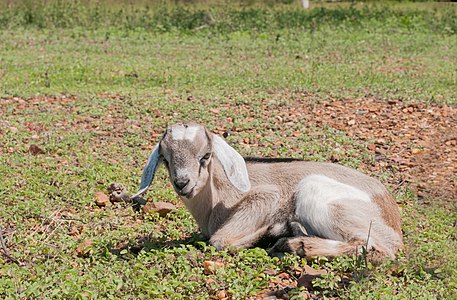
point(87, 89)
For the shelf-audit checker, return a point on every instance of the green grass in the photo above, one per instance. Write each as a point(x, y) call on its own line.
point(404, 53)
point(127, 74)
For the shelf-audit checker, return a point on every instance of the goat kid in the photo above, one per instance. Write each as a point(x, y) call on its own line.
point(307, 208)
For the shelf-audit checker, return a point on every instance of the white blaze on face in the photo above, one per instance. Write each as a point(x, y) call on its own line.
point(185, 132)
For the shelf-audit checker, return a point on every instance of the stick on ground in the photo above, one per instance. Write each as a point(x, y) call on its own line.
point(5, 250)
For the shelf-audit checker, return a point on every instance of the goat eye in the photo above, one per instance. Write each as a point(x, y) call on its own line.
point(205, 158)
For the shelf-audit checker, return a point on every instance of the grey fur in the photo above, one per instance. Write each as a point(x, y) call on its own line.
point(238, 203)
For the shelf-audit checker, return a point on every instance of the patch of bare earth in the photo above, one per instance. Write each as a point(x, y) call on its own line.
point(418, 141)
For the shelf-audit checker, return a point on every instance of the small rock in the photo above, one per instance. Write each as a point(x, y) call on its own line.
point(380, 141)
point(101, 199)
point(335, 158)
point(221, 294)
point(35, 150)
point(210, 267)
point(416, 151)
point(162, 208)
point(392, 101)
point(118, 193)
point(360, 112)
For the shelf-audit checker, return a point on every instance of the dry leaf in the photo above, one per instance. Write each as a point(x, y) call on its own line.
point(84, 248)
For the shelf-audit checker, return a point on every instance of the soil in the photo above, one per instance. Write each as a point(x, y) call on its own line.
point(416, 140)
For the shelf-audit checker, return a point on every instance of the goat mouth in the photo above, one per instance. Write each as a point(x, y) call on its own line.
point(186, 194)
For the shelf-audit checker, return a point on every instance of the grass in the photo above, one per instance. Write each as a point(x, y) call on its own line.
point(124, 76)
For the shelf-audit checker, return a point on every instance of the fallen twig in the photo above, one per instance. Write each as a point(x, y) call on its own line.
point(5, 250)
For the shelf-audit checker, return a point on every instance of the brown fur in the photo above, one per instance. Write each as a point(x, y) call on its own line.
point(389, 211)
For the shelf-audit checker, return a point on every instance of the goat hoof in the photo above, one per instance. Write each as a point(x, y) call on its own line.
point(281, 246)
point(277, 254)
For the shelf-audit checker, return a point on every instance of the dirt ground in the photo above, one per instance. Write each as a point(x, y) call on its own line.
point(417, 141)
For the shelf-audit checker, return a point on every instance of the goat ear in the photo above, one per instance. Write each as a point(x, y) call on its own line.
point(149, 171)
point(233, 164)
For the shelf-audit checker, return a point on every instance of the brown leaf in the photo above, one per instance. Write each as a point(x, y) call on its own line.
point(335, 158)
point(214, 111)
point(75, 230)
point(84, 248)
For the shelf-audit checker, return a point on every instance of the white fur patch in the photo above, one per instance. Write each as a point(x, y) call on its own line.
point(277, 229)
point(314, 195)
point(333, 247)
point(185, 133)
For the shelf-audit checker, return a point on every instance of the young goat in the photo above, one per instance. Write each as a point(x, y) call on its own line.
point(307, 208)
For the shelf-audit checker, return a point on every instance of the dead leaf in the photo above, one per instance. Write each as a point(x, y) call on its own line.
point(84, 248)
point(75, 230)
point(214, 111)
point(270, 272)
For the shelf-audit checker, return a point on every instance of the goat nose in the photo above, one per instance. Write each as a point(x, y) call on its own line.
point(180, 183)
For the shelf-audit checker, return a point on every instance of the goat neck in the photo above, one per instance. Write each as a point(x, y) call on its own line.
point(212, 204)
